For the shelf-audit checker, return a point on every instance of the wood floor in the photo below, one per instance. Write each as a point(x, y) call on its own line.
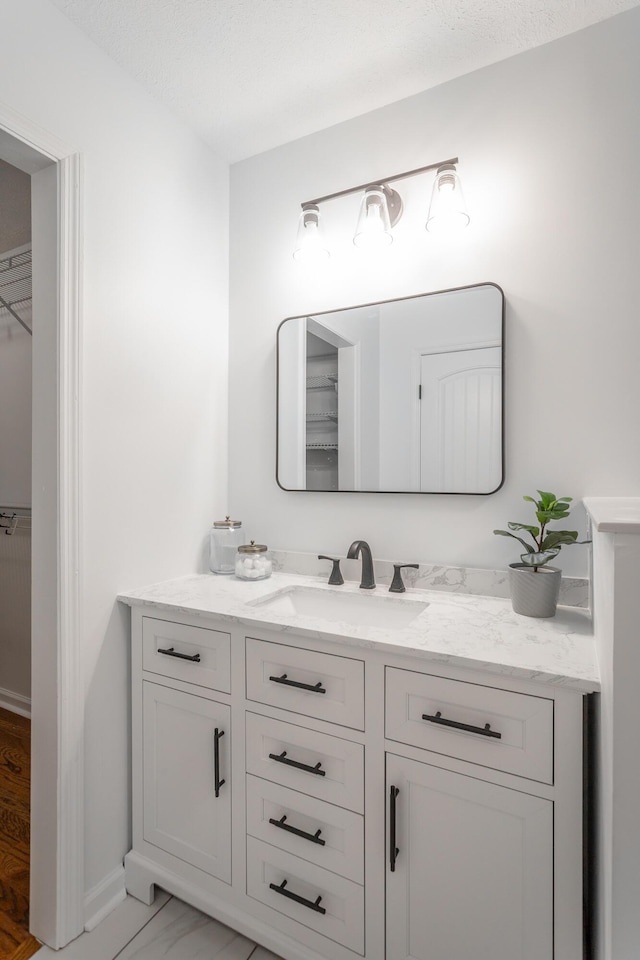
point(15, 757)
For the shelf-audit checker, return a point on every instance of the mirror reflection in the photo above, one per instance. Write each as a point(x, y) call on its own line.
point(400, 396)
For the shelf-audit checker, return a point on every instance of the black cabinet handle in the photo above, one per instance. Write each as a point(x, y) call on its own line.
point(283, 758)
point(393, 850)
point(313, 837)
point(313, 905)
point(170, 652)
point(217, 734)
point(486, 731)
point(314, 688)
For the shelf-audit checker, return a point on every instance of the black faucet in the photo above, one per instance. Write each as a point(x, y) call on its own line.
point(360, 548)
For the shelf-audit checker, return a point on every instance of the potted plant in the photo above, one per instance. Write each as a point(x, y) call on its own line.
point(534, 584)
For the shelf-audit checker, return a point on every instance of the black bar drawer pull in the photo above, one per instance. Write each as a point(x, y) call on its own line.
point(313, 905)
point(486, 731)
point(283, 758)
point(313, 837)
point(393, 850)
point(170, 652)
point(217, 734)
point(313, 687)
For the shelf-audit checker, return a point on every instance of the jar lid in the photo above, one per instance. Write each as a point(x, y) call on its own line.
point(227, 523)
point(252, 547)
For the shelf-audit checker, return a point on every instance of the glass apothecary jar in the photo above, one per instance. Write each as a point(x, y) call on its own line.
point(253, 561)
point(225, 538)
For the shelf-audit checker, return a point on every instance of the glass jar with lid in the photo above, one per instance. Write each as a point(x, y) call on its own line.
point(253, 561)
point(225, 538)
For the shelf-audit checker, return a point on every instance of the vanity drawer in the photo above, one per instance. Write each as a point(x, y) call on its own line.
point(326, 835)
point(300, 752)
point(337, 683)
point(524, 723)
point(211, 650)
point(341, 900)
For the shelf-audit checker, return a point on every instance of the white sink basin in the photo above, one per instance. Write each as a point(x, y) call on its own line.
point(358, 609)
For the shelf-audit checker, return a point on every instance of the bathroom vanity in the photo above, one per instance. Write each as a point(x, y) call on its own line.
point(337, 775)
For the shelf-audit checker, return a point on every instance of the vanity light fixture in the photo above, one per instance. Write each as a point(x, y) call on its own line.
point(310, 243)
point(381, 208)
point(447, 210)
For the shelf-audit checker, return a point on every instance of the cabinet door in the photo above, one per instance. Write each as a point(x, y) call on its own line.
point(473, 875)
point(186, 753)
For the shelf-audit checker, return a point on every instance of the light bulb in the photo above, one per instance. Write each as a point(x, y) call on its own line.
point(374, 228)
point(310, 243)
point(447, 210)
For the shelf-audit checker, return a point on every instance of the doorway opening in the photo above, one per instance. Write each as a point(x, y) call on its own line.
point(16, 319)
point(56, 694)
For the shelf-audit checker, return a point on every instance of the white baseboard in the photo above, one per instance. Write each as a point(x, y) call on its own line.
point(104, 898)
point(15, 702)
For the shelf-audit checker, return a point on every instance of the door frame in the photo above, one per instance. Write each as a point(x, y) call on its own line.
point(57, 806)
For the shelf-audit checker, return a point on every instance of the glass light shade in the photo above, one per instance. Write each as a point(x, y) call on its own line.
point(447, 210)
point(374, 228)
point(311, 246)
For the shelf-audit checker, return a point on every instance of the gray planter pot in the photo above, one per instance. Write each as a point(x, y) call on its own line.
point(534, 594)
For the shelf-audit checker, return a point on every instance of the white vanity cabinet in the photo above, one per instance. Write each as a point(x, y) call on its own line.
point(334, 800)
point(187, 795)
point(470, 867)
point(461, 846)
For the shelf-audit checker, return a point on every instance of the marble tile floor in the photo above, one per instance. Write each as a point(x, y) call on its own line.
point(167, 930)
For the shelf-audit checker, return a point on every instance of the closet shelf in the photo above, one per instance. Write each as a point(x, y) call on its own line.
point(322, 383)
point(322, 446)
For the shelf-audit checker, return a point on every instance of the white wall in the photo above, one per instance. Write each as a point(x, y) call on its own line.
point(15, 414)
point(154, 360)
point(15, 467)
point(548, 144)
point(15, 203)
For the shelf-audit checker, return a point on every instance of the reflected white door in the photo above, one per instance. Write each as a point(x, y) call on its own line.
point(461, 421)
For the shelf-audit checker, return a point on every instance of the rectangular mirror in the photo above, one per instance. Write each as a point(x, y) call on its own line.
point(403, 396)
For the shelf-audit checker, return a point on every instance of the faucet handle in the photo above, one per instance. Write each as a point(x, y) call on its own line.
point(397, 585)
point(335, 577)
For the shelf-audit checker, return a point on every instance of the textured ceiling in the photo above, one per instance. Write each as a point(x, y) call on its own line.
point(249, 75)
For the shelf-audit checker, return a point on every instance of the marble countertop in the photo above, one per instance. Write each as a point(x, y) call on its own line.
point(468, 631)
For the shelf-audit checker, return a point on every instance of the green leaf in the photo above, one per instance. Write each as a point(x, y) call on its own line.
point(530, 499)
point(545, 516)
point(539, 559)
point(547, 499)
point(505, 533)
point(559, 537)
point(534, 531)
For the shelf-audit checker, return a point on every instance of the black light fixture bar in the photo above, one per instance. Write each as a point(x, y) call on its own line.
point(363, 186)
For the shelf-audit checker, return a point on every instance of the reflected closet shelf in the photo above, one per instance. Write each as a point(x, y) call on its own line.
point(325, 417)
point(322, 383)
